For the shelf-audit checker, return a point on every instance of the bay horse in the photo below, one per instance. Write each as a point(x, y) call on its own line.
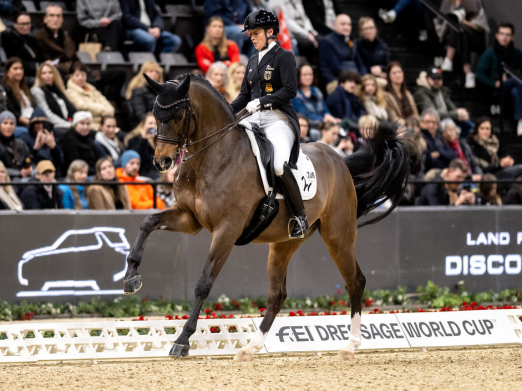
point(218, 188)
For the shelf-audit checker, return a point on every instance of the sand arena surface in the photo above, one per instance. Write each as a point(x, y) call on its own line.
point(472, 369)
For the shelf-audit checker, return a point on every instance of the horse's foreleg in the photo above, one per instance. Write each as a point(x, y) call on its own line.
point(172, 219)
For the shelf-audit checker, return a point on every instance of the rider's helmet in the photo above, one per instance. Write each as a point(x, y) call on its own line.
point(262, 19)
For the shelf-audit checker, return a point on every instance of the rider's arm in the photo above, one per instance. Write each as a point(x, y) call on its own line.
point(288, 80)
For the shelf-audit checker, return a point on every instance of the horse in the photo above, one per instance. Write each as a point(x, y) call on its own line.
point(218, 188)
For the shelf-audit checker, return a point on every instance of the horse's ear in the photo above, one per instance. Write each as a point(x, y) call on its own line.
point(184, 86)
point(154, 84)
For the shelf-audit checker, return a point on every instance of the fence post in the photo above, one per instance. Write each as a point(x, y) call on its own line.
point(154, 191)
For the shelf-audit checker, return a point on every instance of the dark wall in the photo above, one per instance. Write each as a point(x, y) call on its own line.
point(505, 11)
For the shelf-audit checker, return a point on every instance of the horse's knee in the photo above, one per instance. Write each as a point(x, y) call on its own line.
point(277, 298)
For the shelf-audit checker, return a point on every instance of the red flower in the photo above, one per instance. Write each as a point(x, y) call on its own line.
point(334, 302)
point(184, 317)
point(291, 314)
point(344, 313)
point(464, 303)
point(474, 304)
point(218, 306)
point(207, 311)
point(339, 291)
point(144, 300)
point(168, 317)
point(368, 302)
point(262, 309)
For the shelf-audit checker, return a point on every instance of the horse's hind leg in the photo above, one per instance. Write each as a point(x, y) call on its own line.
point(172, 219)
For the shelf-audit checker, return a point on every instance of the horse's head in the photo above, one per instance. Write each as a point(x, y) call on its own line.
point(172, 112)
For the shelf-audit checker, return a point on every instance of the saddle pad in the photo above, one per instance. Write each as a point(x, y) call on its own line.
point(305, 173)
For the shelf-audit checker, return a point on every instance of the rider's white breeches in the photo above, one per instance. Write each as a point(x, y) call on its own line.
point(279, 131)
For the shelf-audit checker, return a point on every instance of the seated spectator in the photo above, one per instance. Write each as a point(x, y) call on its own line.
point(309, 99)
point(488, 192)
point(143, 24)
point(215, 46)
point(490, 72)
point(343, 102)
point(431, 94)
point(140, 93)
point(439, 154)
point(372, 97)
point(110, 196)
point(19, 99)
point(74, 195)
point(514, 195)
point(322, 14)
point(441, 193)
point(233, 14)
point(102, 18)
point(78, 143)
point(473, 20)
point(217, 76)
point(486, 146)
point(142, 140)
point(236, 74)
point(8, 198)
point(18, 42)
point(106, 137)
point(14, 152)
point(43, 196)
point(86, 97)
point(141, 196)
point(413, 133)
point(338, 52)
point(165, 191)
point(41, 141)
point(399, 7)
point(299, 26)
point(330, 135)
point(461, 148)
point(400, 104)
point(9, 10)
point(55, 43)
point(304, 128)
point(373, 50)
point(49, 95)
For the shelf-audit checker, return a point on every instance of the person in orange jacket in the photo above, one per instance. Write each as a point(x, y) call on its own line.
point(141, 196)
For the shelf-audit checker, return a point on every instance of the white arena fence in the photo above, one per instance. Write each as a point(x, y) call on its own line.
point(112, 340)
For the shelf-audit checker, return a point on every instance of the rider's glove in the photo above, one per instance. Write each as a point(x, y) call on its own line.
point(253, 106)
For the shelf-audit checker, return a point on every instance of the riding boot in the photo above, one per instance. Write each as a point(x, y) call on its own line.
point(295, 203)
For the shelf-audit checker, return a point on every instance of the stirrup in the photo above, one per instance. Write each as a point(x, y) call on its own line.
point(296, 219)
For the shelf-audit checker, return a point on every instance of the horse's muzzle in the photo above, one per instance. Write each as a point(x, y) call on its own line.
point(164, 164)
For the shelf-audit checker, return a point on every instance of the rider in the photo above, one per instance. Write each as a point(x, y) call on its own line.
point(269, 84)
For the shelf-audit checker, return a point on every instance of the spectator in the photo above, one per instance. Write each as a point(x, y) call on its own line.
point(304, 127)
point(472, 18)
point(165, 191)
point(373, 50)
point(140, 93)
point(399, 7)
point(236, 73)
point(39, 196)
point(49, 95)
point(330, 135)
point(142, 140)
point(441, 193)
point(490, 73)
point(338, 52)
point(217, 76)
point(400, 104)
point(372, 97)
point(143, 24)
point(18, 42)
point(19, 99)
point(514, 195)
point(102, 18)
point(299, 26)
point(74, 195)
point(14, 152)
point(141, 196)
point(309, 99)
point(78, 143)
point(8, 198)
point(485, 146)
point(414, 134)
point(55, 43)
point(106, 137)
point(86, 97)
point(215, 46)
point(431, 94)
point(439, 154)
point(488, 192)
point(110, 196)
point(233, 13)
point(322, 14)
point(343, 102)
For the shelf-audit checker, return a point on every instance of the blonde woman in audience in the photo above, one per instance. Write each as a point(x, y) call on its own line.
point(372, 97)
point(236, 73)
point(8, 198)
point(109, 196)
point(217, 76)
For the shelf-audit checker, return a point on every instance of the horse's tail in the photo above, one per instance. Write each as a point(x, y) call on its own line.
point(380, 170)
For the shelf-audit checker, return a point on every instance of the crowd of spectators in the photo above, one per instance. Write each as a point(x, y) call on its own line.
point(57, 116)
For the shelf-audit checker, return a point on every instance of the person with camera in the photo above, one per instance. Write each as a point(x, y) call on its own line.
point(330, 136)
point(143, 143)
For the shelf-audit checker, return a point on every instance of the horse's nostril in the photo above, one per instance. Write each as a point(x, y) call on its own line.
point(166, 162)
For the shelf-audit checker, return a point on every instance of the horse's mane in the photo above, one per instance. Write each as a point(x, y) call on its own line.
point(202, 79)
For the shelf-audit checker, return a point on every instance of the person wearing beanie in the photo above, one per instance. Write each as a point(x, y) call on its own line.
point(141, 196)
point(14, 153)
point(40, 196)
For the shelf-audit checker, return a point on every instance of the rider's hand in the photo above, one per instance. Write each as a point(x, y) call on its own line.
point(253, 106)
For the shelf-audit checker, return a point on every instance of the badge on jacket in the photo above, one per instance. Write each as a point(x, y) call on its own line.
point(269, 88)
point(268, 75)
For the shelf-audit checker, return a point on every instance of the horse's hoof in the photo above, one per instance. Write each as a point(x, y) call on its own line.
point(244, 356)
point(132, 285)
point(179, 350)
point(345, 355)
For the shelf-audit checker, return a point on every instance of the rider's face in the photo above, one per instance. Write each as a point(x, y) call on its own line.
point(258, 37)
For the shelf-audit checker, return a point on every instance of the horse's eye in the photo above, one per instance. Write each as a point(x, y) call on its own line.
point(178, 117)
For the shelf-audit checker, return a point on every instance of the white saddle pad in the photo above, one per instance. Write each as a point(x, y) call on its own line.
point(305, 173)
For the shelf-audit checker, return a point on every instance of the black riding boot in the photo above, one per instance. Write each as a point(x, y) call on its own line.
point(295, 203)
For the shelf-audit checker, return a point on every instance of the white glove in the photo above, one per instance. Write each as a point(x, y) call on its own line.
point(253, 106)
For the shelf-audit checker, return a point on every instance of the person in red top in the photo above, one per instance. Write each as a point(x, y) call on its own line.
point(215, 46)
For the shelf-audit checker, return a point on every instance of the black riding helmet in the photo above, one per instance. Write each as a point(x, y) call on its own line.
point(262, 19)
